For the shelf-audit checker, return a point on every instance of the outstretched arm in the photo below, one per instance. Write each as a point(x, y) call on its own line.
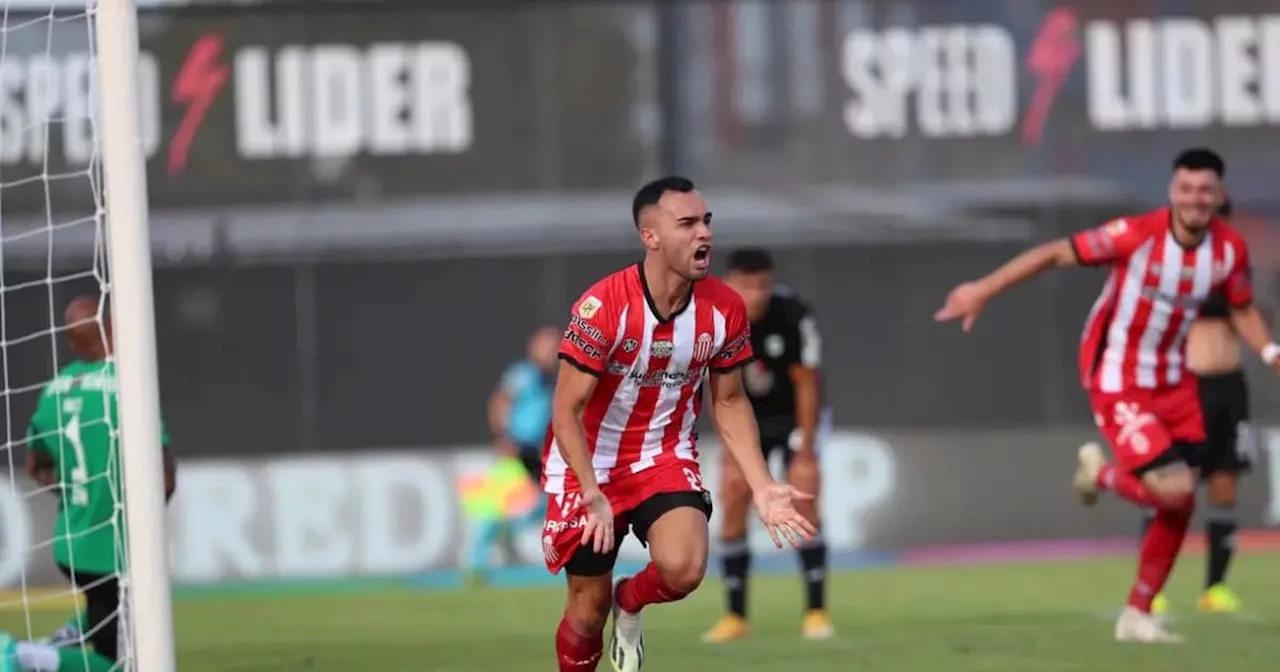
point(1033, 262)
point(1091, 247)
point(967, 300)
point(731, 410)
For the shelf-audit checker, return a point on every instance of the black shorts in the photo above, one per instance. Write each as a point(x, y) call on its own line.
point(102, 595)
point(776, 435)
point(585, 560)
point(1224, 401)
point(531, 458)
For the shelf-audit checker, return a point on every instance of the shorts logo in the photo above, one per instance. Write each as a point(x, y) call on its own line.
point(694, 478)
point(630, 345)
point(702, 349)
point(662, 349)
point(589, 307)
point(1131, 420)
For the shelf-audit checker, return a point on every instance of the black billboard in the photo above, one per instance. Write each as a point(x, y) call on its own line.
point(249, 105)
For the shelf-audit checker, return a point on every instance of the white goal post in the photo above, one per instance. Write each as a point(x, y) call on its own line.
point(149, 626)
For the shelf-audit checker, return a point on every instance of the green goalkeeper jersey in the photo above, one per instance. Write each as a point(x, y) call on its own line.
point(73, 424)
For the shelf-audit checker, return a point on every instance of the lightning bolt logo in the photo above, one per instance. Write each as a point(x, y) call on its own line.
point(1053, 54)
point(197, 85)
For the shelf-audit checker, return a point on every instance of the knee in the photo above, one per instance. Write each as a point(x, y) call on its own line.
point(588, 609)
point(683, 573)
point(1221, 492)
point(1174, 488)
point(1222, 500)
point(803, 472)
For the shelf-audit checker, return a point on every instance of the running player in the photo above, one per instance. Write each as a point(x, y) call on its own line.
point(783, 384)
point(71, 447)
point(1164, 265)
point(1213, 354)
point(623, 454)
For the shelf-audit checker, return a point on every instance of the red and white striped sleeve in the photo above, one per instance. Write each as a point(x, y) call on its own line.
point(588, 339)
point(736, 351)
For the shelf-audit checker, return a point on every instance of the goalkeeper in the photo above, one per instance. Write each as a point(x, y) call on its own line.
point(70, 445)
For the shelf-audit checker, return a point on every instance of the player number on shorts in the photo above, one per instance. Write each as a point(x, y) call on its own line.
point(79, 471)
point(695, 481)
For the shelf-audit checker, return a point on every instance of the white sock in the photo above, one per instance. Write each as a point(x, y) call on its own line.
point(37, 657)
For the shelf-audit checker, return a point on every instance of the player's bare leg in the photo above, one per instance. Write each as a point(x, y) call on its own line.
point(580, 637)
point(735, 553)
point(1221, 520)
point(678, 542)
point(804, 475)
point(1170, 489)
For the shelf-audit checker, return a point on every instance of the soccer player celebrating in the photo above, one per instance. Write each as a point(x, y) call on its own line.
point(1213, 354)
point(71, 446)
point(784, 389)
point(1164, 265)
point(622, 453)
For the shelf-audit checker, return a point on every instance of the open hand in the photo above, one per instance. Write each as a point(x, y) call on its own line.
point(965, 303)
point(775, 506)
point(598, 530)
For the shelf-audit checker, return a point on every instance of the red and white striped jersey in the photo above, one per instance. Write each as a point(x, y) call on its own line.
point(1136, 333)
point(646, 403)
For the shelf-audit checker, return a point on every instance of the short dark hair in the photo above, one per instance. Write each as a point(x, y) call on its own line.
point(750, 260)
point(1200, 158)
point(652, 192)
point(1226, 209)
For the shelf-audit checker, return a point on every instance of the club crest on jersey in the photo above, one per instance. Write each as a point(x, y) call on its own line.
point(662, 349)
point(630, 345)
point(702, 349)
point(589, 307)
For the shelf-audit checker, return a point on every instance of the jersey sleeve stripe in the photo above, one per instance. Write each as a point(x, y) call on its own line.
point(1075, 249)
point(733, 367)
point(810, 342)
point(579, 365)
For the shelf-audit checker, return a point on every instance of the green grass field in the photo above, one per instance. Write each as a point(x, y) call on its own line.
point(1015, 618)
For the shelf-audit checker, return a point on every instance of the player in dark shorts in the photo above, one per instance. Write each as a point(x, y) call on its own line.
point(1213, 353)
point(785, 389)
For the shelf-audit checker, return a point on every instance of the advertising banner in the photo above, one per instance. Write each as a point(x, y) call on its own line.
point(353, 102)
point(885, 92)
point(396, 512)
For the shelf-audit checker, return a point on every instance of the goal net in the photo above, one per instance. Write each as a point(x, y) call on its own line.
point(67, 594)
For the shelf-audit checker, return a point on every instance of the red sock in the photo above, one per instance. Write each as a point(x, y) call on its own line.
point(1160, 547)
point(1126, 485)
point(575, 651)
point(645, 588)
